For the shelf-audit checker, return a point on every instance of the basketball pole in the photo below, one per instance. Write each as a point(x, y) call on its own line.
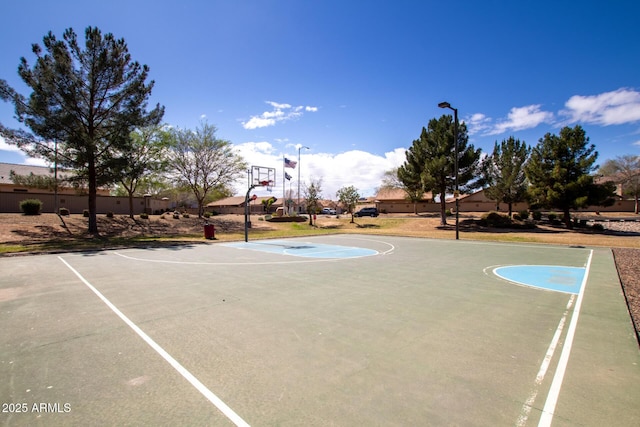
point(246, 212)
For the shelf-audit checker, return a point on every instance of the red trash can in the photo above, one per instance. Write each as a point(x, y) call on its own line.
point(209, 231)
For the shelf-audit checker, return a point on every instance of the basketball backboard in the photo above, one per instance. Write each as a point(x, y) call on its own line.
point(262, 176)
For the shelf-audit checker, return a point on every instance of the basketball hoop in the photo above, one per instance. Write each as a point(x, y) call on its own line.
point(263, 177)
point(259, 176)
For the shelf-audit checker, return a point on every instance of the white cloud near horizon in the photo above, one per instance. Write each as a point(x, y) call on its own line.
point(280, 113)
point(361, 169)
point(8, 147)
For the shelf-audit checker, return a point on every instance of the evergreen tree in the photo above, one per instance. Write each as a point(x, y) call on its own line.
point(432, 157)
point(410, 176)
point(503, 172)
point(88, 99)
point(559, 173)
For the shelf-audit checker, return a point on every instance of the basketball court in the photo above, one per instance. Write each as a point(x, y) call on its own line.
point(337, 330)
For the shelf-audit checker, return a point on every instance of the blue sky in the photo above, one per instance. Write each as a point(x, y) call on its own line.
point(357, 80)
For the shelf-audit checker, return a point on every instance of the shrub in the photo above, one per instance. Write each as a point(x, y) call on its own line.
point(524, 214)
point(85, 213)
point(185, 215)
point(63, 212)
point(494, 219)
point(31, 206)
point(207, 214)
point(537, 215)
point(144, 215)
point(109, 214)
point(552, 217)
point(579, 223)
point(598, 227)
point(176, 215)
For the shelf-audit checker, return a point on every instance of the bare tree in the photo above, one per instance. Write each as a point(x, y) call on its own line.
point(202, 162)
point(348, 197)
point(312, 195)
point(625, 170)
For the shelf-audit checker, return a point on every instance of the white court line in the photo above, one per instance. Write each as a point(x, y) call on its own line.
point(528, 404)
point(552, 398)
point(208, 394)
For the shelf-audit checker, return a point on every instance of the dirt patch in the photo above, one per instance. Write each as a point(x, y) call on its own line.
point(33, 229)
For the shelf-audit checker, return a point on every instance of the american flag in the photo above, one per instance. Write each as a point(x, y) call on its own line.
point(287, 176)
point(289, 163)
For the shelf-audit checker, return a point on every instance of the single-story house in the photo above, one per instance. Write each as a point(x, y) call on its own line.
point(67, 197)
point(395, 201)
point(236, 205)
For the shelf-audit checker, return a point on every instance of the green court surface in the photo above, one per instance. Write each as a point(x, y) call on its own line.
point(318, 331)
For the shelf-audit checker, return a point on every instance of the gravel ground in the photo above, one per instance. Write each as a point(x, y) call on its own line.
point(628, 264)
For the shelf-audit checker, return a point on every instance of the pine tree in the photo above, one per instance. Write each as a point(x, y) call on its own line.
point(559, 173)
point(503, 172)
point(432, 156)
point(88, 99)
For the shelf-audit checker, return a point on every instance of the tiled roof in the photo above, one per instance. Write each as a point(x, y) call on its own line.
point(397, 194)
point(239, 201)
point(6, 168)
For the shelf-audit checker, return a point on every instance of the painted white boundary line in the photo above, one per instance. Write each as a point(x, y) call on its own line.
point(528, 404)
point(226, 410)
point(552, 398)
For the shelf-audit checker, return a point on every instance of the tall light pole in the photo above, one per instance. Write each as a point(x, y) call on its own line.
point(456, 193)
point(299, 148)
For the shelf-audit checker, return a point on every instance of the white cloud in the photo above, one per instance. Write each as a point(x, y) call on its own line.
point(36, 162)
point(8, 147)
point(520, 118)
point(610, 108)
point(478, 123)
point(278, 106)
point(258, 122)
point(358, 168)
point(280, 113)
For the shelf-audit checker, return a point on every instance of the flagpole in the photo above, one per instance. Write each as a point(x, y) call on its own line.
point(284, 200)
